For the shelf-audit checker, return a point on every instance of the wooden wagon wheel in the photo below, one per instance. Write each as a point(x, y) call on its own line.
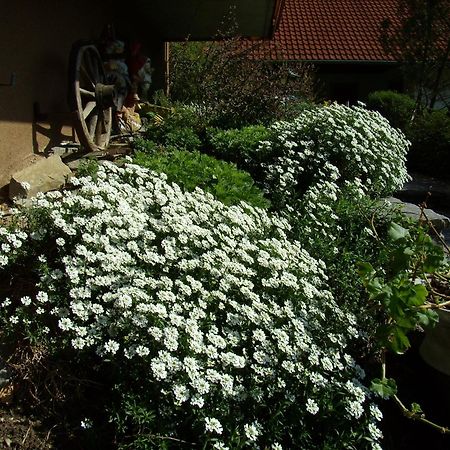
point(90, 98)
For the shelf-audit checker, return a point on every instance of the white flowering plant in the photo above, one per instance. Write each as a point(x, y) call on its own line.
point(227, 322)
point(341, 144)
point(325, 171)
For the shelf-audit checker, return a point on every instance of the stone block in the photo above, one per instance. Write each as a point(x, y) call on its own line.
point(45, 175)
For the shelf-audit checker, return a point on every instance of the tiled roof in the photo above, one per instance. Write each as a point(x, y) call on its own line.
point(336, 30)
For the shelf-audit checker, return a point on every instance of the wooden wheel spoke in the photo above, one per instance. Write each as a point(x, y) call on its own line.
point(93, 125)
point(88, 109)
point(87, 75)
point(92, 66)
point(99, 129)
point(105, 122)
point(87, 93)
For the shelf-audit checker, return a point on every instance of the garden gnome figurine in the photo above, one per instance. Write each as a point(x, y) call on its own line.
point(140, 71)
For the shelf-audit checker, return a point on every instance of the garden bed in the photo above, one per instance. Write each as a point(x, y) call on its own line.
point(189, 302)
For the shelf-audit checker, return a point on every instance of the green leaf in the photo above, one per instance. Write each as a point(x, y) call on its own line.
point(434, 259)
point(399, 342)
point(416, 409)
point(365, 269)
point(376, 287)
point(420, 295)
point(400, 259)
point(428, 318)
point(397, 232)
point(406, 322)
point(385, 388)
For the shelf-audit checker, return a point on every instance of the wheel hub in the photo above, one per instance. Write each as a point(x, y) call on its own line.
point(105, 95)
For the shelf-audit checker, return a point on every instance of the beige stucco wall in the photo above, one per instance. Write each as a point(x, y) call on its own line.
point(35, 42)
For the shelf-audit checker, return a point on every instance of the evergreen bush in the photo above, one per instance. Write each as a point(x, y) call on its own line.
point(397, 108)
point(430, 144)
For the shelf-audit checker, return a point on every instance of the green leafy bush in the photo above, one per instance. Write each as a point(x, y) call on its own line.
point(192, 170)
point(87, 167)
point(183, 138)
point(225, 323)
point(397, 108)
point(401, 287)
point(182, 128)
point(239, 146)
point(429, 132)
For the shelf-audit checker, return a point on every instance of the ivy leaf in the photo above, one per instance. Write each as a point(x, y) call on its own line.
point(397, 232)
point(385, 388)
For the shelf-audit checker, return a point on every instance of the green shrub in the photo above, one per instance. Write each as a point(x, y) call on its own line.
point(429, 133)
point(183, 128)
point(183, 138)
point(193, 169)
point(87, 167)
point(238, 146)
point(430, 149)
point(397, 108)
point(146, 146)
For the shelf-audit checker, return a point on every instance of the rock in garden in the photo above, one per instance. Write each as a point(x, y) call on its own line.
point(439, 221)
point(45, 175)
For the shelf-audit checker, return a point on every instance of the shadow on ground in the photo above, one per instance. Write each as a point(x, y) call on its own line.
point(417, 382)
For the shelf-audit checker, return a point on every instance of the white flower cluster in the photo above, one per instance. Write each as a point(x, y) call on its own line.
point(11, 240)
point(216, 301)
point(336, 143)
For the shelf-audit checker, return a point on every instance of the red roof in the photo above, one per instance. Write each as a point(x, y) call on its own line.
point(332, 30)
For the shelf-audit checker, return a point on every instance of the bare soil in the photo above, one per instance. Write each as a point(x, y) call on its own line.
point(18, 431)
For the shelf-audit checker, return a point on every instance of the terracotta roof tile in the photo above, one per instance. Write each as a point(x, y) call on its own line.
point(318, 30)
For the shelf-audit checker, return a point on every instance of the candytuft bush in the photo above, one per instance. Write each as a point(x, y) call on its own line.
point(227, 322)
point(334, 144)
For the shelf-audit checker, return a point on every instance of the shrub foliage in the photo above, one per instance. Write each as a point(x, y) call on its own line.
point(230, 87)
point(193, 169)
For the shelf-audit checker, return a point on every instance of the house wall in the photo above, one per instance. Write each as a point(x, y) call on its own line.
point(36, 39)
point(352, 82)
